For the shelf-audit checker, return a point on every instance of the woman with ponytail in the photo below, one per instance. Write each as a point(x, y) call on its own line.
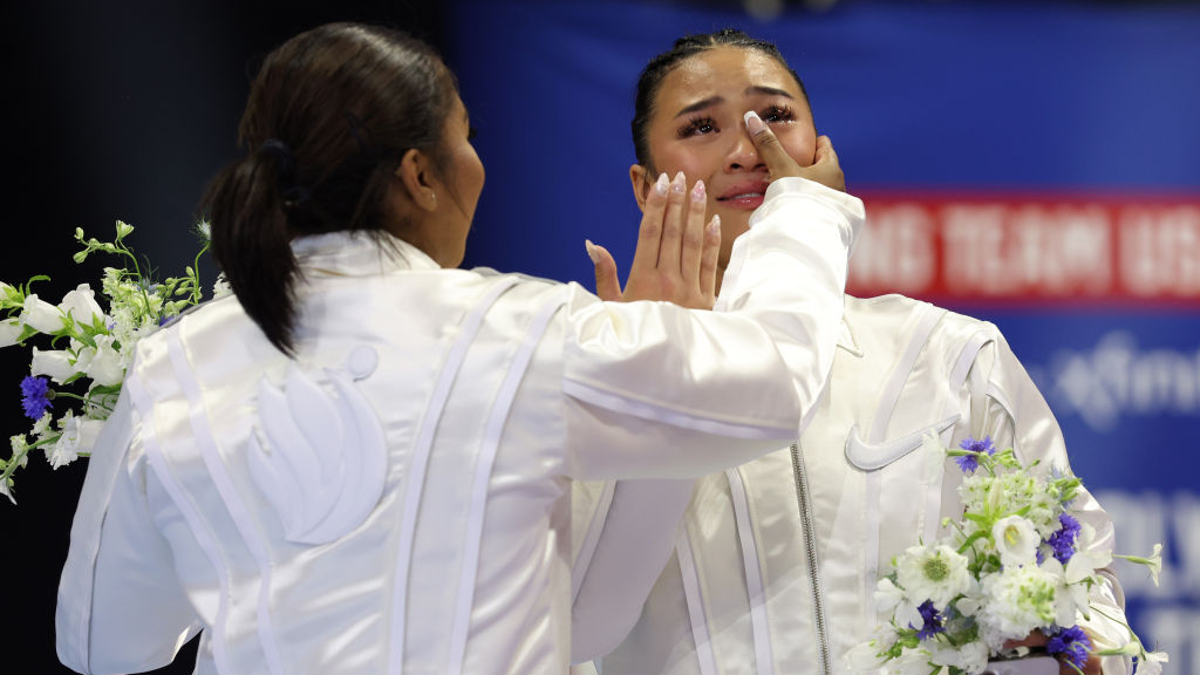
point(361, 461)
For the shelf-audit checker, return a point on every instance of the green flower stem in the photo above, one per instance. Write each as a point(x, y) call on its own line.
point(197, 294)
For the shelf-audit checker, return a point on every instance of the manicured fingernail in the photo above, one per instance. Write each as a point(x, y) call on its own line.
point(698, 191)
point(679, 183)
point(591, 250)
point(714, 226)
point(753, 122)
point(661, 186)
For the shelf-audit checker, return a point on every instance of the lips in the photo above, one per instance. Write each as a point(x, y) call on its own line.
point(744, 195)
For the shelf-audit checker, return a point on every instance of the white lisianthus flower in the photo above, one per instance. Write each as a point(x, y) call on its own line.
point(1071, 596)
point(891, 599)
point(971, 657)
point(910, 662)
point(1017, 600)
point(40, 315)
point(933, 573)
point(6, 492)
point(1153, 563)
point(80, 304)
point(106, 367)
point(865, 656)
point(10, 330)
point(1150, 663)
point(55, 363)
point(1016, 541)
point(78, 436)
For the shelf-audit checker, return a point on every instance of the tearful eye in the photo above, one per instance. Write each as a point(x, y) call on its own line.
point(698, 127)
point(777, 114)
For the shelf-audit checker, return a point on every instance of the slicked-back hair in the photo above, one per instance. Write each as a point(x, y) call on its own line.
point(685, 47)
point(330, 114)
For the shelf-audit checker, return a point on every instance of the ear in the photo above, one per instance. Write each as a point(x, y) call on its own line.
point(416, 175)
point(639, 180)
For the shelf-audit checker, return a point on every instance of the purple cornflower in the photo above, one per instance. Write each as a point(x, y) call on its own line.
point(968, 463)
point(933, 621)
point(36, 396)
point(1063, 539)
point(1073, 643)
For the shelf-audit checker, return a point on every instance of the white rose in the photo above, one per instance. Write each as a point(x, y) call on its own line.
point(41, 315)
point(1016, 541)
point(10, 330)
point(56, 363)
point(105, 367)
point(81, 305)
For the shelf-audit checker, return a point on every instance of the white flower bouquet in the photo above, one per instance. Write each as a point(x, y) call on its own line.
point(1017, 563)
point(72, 386)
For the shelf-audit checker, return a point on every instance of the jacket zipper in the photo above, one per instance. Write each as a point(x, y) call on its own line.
point(810, 547)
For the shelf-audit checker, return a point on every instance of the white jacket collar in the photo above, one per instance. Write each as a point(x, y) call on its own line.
point(359, 254)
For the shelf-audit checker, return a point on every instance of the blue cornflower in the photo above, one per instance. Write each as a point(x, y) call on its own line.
point(36, 396)
point(968, 463)
point(1073, 643)
point(932, 621)
point(1063, 539)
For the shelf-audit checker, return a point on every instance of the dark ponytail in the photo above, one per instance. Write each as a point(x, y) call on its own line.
point(251, 242)
point(329, 116)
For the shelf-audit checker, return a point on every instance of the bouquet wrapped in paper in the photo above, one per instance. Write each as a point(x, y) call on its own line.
point(75, 375)
point(1018, 563)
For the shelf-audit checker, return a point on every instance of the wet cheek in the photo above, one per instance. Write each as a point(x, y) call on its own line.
point(803, 150)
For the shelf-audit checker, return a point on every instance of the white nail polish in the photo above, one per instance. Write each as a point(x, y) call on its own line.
point(661, 186)
point(754, 123)
point(679, 183)
point(714, 225)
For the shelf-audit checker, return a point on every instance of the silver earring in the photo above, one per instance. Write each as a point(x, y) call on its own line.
point(433, 195)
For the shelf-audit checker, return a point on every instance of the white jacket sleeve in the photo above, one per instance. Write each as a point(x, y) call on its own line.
point(1015, 414)
point(120, 607)
point(656, 391)
point(630, 534)
point(788, 273)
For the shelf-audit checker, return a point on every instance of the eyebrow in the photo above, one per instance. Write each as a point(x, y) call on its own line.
point(714, 100)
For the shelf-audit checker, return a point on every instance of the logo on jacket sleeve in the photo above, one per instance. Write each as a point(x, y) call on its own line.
point(323, 464)
point(873, 456)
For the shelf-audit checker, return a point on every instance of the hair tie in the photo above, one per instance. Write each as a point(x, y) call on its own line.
point(293, 193)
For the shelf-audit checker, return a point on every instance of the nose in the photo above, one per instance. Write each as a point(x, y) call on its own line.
point(742, 155)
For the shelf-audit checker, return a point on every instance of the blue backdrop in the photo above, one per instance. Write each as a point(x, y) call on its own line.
point(1042, 101)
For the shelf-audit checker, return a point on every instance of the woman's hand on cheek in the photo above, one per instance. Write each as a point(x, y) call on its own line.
point(676, 256)
point(824, 170)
